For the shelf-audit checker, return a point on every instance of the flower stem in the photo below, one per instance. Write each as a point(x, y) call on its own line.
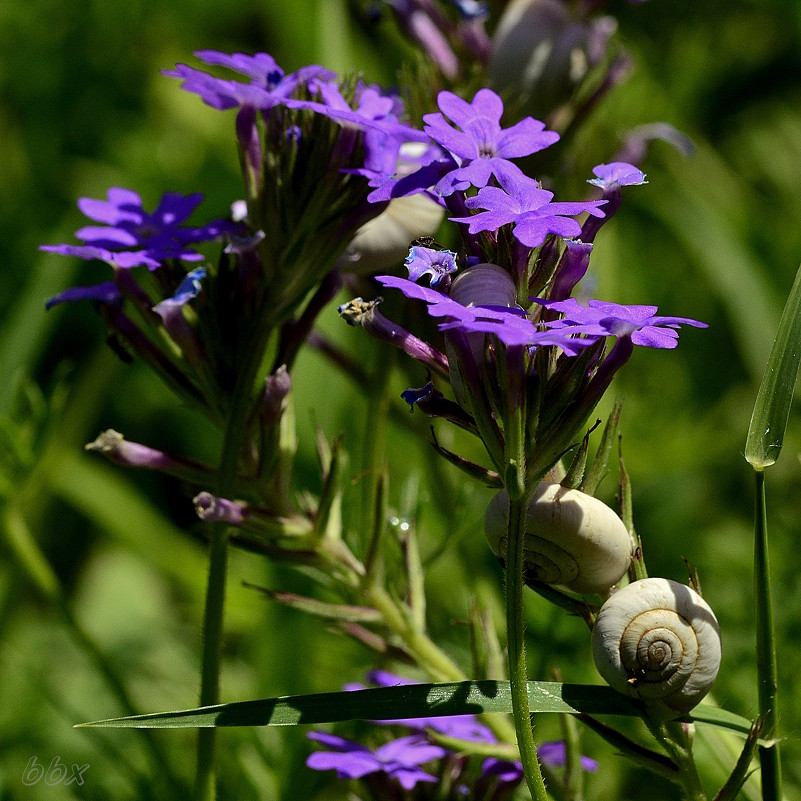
point(213, 613)
point(517, 649)
point(674, 739)
point(767, 678)
point(426, 653)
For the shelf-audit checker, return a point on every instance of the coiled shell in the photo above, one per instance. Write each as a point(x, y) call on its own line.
point(571, 539)
point(658, 641)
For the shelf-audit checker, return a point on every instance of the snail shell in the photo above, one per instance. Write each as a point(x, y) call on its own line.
point(384, 241)
point(480, 285)
point(658, 640)
point(571, 538)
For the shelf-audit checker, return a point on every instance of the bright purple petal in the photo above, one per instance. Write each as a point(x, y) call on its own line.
point(347, 766)
point(532, 230)
point(526, 137)
point(123, 205)
point(408, 777)
point(409, 751)
point(618, 173)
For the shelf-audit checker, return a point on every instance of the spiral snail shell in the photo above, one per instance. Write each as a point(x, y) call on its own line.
point(571, 538)
point(658, 640)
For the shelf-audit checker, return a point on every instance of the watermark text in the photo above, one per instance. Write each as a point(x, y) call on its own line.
point(54, 773)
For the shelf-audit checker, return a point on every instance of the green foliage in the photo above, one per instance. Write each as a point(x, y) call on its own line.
point(714, 236)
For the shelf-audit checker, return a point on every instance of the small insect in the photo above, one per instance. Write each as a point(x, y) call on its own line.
point(427, 242)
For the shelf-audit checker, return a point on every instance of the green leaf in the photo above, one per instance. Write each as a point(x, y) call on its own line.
point(410, 701)
point(772, 407)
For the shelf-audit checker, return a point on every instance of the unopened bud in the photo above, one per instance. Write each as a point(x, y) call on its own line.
point(211, 509)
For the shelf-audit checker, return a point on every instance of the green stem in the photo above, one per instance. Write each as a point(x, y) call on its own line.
point(373, 451)
point(767, 678)
point(517, 649)
point(673, 738)
point(426, 653)
point(213, 613)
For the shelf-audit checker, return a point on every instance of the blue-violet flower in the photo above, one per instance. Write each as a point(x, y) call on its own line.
point(399, 759)
point(132, 237)
point(482, 147)
point(521, 201)
point(601, 318)
point(427, 261)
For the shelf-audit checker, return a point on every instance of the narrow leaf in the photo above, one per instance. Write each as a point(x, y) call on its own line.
point(347, 612)
point(600, 463)
point(736, 780)
point(772, 408)
point(410, 701)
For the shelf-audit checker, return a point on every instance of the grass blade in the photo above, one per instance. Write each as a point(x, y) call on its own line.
point(772, 407)
point(411, 701)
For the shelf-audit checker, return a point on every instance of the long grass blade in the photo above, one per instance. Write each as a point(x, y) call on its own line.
point(775, 396)
point(412, 701)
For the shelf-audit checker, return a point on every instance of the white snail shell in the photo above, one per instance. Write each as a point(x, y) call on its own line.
point(571, 538)
point(480, 285)
point(658, 640)
point(484, 285)
point(383, 242)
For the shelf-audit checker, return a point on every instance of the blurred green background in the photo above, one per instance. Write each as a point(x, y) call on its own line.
point(716, 236)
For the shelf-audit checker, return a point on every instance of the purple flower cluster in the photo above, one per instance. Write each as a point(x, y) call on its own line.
point(580, 327)
point(473, 150)
point(268, 85)
point(521, 201)
point(401, 759)
point(132, 237)
point(312, 88)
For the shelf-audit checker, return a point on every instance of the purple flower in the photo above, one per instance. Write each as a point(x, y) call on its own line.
point(427, 261)
point(132, 237)
point(433, 165)
point(106, 292)
point(463, 727)
point(188, 289)
point(523, 202)
point(400, 759)
point(550, 753)
point(510, 325)
point(637, 323)
point(617, 173)
point(482, 147)
point(268, 85)
point(554, 754)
